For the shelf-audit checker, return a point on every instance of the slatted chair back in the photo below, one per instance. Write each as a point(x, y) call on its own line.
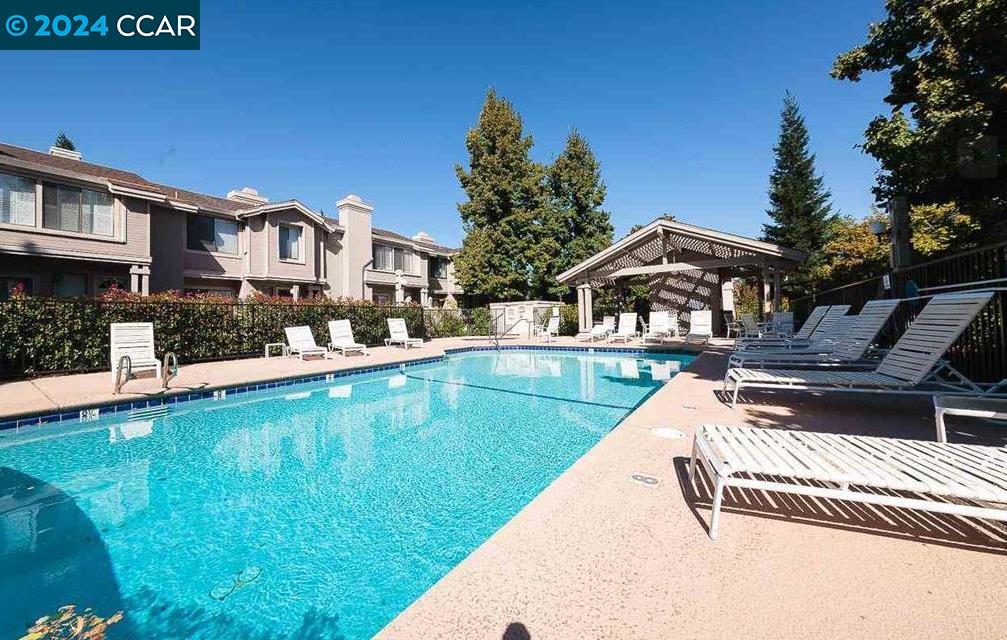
point(783, 322)
point(933, 331)
point(827, 327)
point(866, 326)
point(300, 338)
point(341, 333)
point(552, 326)
point(701, 322)
point(608, 322)
point(627, 324)
point(133, 339)
point(750, 326)
point(397, 329)
point(660, 322)
point(814, 318)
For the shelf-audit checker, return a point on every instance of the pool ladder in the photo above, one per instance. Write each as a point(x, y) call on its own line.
point(495, 336)
point(124, 371)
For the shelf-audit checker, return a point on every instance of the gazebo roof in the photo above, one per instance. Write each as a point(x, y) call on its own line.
point(694, 248)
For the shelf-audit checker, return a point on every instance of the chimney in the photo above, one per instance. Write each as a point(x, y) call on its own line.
point(355, 219)
point(247, 195)
point(423, 236)
point(65, 153)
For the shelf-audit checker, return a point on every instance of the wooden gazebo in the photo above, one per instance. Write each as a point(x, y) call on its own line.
point(684, 266)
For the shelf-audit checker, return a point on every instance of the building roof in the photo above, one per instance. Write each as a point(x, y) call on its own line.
point(697, 248)
point(422, 244)
point(15, 156)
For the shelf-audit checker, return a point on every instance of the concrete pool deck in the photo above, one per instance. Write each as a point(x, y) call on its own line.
point(599, 555)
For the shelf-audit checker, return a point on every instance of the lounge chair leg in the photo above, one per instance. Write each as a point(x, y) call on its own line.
point(718, 496)
point(734, 398)
point(692, 463)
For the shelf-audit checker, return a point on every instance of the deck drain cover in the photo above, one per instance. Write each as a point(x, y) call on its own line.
point(668, 432)
point(643, 479)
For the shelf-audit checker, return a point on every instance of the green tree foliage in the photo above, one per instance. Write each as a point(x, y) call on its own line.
point(503, 217)
point(945, 138)
point(63, 141)
point(575, 218)
point(852, 252)
point(799, 208)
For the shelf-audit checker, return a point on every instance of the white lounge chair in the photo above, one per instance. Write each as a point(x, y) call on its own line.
point(626, 330)
point(700, 326)
point(848, 349)
point(967, 406)
point(399, 334)
point(550, 330)
point(599, 331)
point(136, 340)
point(659, 328)
point(341, 338)
point(301, 343)
point(852, 468)
point(915, 359)
point(830, 327)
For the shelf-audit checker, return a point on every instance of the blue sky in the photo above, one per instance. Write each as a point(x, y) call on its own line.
point(314, 100)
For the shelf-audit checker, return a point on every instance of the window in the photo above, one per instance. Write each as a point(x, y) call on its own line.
point(392, 258)
point(382, 298)
point(79, 210)
point(17, 200)
point(15, 285)
point(69, 285)
point(104, 283)
point(290, 242)
point(283, 292)
point(204, 233)
point(438, 267)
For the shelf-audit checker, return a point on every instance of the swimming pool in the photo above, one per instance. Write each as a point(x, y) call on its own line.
point(316, 510)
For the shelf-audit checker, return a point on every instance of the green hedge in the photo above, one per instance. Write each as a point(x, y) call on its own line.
point(44, 335)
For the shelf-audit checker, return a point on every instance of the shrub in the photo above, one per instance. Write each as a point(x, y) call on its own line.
point(40, 335)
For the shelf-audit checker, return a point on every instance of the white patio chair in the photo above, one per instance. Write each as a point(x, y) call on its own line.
point(967, 406)
point(550, 330)
point(659, 328)
point(829, 328)
point(700, 326)
point(399, 334)
point(136, 340)
point(301, 343)
point(626, 330)
point(749, 327)
point(915, 359)
point(847, 350)
point(852, 468)
point(807, 329)
point(341, 338)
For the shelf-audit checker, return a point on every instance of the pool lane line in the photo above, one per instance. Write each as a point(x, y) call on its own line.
point(522, 393)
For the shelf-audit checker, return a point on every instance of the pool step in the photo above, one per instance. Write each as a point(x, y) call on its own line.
point(149, 412)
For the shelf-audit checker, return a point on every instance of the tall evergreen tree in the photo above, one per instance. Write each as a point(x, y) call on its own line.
point(63, 141)
point(576, 220)
point(506, 202)
point(799, 209)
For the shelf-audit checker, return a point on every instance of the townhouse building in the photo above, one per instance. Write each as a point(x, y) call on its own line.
point(73, 228)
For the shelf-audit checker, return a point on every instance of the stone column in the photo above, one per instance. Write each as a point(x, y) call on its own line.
point(400, 293)
point(424, 297)
point(139, 279)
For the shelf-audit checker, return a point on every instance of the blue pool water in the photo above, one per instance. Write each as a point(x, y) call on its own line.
point(318, 510)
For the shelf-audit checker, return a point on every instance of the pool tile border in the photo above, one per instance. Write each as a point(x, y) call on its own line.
point(88, 413)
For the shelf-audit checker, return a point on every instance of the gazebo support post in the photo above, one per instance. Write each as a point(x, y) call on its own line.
point(777, 291)
point(764, 294)
point(585, 307)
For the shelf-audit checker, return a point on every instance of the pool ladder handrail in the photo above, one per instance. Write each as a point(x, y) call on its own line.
point(496, 335)
point(167, 373)
point(119, 379)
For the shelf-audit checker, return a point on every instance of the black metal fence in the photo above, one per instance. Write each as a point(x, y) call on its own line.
point(981, 352)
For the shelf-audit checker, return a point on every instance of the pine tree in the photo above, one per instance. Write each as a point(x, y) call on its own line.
point(63, 141)
point(799, 207)
point(503, 217)
point(576, 219)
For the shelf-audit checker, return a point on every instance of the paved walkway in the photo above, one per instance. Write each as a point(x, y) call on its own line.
point(597, 555)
